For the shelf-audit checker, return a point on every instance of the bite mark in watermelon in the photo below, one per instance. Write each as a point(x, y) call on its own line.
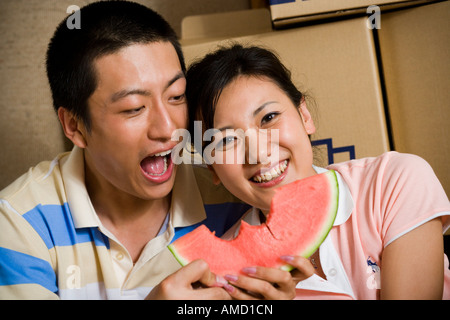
point(301, 215)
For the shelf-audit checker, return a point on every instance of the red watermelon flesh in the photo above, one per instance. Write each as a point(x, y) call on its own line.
point(301, 215)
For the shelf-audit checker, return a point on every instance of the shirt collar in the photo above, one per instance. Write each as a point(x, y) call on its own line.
point(186, 206)
point(345, 205)
point(81, 208)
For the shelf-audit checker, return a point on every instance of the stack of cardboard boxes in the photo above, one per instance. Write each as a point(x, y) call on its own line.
point(379, 81)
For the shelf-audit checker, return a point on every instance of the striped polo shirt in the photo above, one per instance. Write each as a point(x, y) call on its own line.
point(53, 245)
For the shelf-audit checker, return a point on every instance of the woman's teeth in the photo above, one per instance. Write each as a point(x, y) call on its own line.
point(272, 174)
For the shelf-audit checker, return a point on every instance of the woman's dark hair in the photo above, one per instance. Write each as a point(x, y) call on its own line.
point(106, 27)
point(207, 78)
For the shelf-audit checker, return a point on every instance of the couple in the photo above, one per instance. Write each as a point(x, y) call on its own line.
point(95, 222)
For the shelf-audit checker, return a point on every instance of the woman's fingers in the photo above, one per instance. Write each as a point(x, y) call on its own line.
point(303, 267)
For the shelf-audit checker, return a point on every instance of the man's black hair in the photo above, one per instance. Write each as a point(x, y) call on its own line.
point(106, 27)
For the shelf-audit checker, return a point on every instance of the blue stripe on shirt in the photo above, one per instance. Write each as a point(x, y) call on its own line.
point(55, 226)
point(21, 268)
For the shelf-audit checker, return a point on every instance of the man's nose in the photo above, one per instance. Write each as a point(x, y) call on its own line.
point(161, 122)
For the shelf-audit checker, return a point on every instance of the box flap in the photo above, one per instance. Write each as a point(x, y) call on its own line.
point(286, 12)
point(226, 25)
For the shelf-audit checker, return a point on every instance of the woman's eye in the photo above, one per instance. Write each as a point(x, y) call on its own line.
point(225, 142)
point(269, 117)
point(179, 98)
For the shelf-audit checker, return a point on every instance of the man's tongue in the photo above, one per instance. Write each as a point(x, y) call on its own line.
point(153, 165)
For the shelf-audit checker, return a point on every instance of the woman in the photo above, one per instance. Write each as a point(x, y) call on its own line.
point(390, 204)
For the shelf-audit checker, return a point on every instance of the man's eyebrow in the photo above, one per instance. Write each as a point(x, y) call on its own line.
point(178, 76)
point(123, 93)
point(126, 92)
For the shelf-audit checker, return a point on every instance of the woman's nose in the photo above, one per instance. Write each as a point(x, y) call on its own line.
point(261, 146)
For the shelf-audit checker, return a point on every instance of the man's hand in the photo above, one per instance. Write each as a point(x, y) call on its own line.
point(193, 282)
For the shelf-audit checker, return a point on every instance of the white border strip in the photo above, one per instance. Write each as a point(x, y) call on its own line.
point(440, 214)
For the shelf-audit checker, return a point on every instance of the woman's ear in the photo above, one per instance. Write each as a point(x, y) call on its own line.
point(215, 177)
point(306, 118)
point(73, 127)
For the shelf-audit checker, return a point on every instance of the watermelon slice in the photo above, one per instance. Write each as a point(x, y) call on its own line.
point(301, 215)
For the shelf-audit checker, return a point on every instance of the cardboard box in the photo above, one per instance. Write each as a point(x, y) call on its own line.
point(286, 12)
point(203, 28)
point(415, 52)
point(334, 63)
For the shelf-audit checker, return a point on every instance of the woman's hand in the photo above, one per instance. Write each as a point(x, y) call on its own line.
point(269, 283)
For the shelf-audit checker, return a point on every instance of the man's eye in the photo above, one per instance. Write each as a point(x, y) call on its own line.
point(134, 111)
point(269, 117)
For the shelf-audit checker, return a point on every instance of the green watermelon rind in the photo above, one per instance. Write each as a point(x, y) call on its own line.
point(331, 174)
point(177, 256)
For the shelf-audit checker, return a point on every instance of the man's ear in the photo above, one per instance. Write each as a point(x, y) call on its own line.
point(214, 175)
point(306, 118)
point(73, 127)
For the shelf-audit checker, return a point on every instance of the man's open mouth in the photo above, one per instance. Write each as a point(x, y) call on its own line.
point(157, 164)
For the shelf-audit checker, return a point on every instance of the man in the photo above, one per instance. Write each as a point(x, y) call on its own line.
point(95, 223)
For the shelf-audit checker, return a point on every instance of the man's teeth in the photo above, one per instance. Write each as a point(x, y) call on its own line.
point(160, 174)
point(272, 174)
point(162, 154)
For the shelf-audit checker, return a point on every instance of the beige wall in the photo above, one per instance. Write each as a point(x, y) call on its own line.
point(29, 129)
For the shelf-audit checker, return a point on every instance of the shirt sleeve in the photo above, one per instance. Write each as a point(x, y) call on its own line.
point(26, 270)
point(411, 196)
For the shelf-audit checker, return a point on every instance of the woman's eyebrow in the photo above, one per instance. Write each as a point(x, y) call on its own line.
point(225, 128)
point(255, 113)
point(260, 108)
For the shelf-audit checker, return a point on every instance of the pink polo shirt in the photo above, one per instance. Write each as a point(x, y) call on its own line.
point(380, 199)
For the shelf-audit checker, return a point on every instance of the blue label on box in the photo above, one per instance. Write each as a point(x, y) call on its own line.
point(331, 150)
point(274, 2)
